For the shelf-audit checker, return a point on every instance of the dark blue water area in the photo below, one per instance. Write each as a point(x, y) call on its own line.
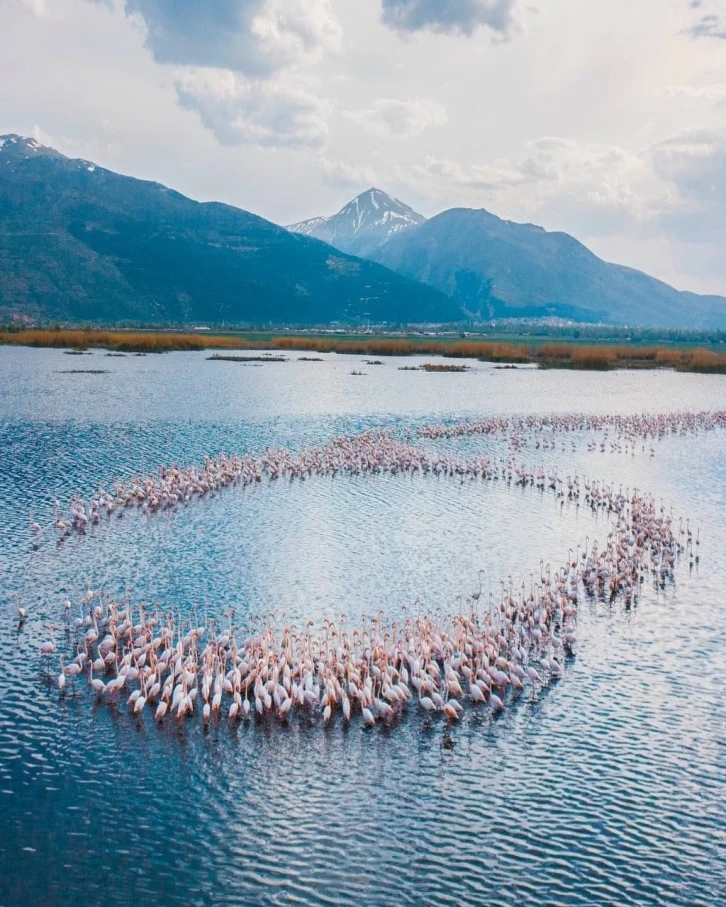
point(606, 788)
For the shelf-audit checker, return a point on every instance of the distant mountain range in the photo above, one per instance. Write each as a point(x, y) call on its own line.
point(495, 268)
point(82, 243)
point(362, 225)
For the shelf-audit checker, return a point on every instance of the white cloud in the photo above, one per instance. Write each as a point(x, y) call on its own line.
point(343, 175)
point(695, 161)
point(255, 37)
point(38, 8)
point(436, 176)
point(268, 113)
point(241, 64)
point(451, 16)
point(594, 189)
point(405, 119)
point(603, 173)
point(711, 23)
point(710, 94)
point(605, 176)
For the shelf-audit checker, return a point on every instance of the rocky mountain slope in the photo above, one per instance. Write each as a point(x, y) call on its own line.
point(82, 243)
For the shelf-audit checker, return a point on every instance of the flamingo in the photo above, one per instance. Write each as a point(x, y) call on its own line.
point(47, 648)
point(368, 717)
point(98, 685)
point(21, 611)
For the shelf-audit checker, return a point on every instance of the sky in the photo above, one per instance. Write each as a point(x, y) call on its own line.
point(603, 118)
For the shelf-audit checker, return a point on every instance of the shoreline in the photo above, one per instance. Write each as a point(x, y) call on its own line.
point(546, 354)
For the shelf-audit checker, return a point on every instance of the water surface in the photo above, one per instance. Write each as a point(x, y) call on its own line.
point(608, 789)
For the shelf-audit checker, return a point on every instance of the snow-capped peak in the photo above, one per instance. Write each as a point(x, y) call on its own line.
point(16, 150)
point(373, 209)
point(17, 147)
point(364, 224)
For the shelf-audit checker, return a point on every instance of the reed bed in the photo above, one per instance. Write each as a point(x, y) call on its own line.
point(546, 355)
point(379, 347)
point(122, 341)
point(564, 355)
point(469, 349)
point(701, 360)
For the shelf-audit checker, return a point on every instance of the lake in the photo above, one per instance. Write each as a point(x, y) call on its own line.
point(607, 788)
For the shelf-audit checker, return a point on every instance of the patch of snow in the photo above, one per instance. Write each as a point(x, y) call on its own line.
point(308, 227)
point(2, 143)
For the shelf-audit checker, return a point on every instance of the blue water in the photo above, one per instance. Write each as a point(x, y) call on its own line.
point(607, 789)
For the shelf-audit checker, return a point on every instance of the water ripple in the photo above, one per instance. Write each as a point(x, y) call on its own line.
point(609, 789)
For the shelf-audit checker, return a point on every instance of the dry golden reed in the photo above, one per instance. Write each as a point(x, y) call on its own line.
point(549, 355)
point(124, 341)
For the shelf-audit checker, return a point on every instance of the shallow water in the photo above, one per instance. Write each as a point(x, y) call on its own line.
point(608, 789)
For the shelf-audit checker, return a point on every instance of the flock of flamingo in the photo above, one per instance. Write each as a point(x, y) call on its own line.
point(374, 452)
point(634, 426)
point(486, 656)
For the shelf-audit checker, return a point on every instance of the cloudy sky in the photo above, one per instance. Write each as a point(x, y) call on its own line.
point(605, 118)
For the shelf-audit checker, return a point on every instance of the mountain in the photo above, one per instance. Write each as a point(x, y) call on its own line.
point(497, 268)
point(82, 243)
point(363, 224)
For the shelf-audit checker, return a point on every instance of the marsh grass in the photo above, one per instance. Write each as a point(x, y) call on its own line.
point(605, 356)
point(79, 341)
point(440, 367)
point(267, 357)
point(601, 356)
point(701, 360)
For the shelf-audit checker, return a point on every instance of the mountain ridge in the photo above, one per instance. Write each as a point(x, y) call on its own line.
point(496, 268)
point(81, 242)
